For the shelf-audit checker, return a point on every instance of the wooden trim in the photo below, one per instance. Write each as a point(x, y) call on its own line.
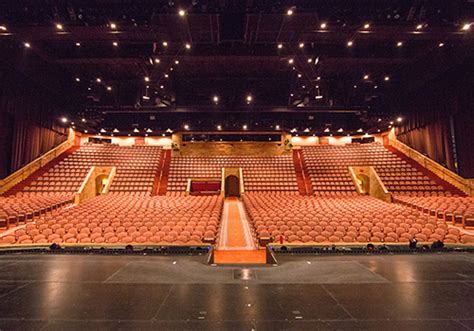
point(23, 173)
point(464, 184)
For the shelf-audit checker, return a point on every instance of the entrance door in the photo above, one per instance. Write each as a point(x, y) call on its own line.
point(232, 186)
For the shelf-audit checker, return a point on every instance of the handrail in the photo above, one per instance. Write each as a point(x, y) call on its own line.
point(355, 181)
point(241, 181)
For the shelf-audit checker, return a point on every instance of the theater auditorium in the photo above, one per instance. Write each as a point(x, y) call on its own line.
point(237, 165)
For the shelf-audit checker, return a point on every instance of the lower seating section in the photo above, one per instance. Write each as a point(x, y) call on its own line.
point(458, 210)
point(265, 173)
point(328, 169)
point(21, 207)
point(305, 219)
point(122, 218)
point(136, 169)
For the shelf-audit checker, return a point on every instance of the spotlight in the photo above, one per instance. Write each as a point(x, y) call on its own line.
point(215, 99)
point(27, 45)
point(350, 43)
point(466, 26)
point(147, 79)
point(166, 75)
point(244, 126)
point(323, 25)
point(115, 44)
point(399, 44)
point(440, 44)
point(59, 26)
point(109, 88)
point(289, 12)
point(165, 44)
point(301, 45)
point(366, 77)
point(386, 78)
point(366, 25)
point(399, 119)
point(98, 80)
point(186, 127)
point(318, 78)
point(280, 46)
point(188, 46)
point(376, 86)
point(64, 119)
point(181, 13)
point(113, 26)
point(78, 44)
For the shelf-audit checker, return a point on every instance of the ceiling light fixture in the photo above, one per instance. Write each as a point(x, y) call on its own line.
point(244, 126)
point(109, 88)
point(102, 130)
point(289, 12)
point(115, 44)
point(215, 99)
point(27, 45)
point(466, 26)
point(249, 98)
point(399, 119)
point(219, 127)
point(165, 43)
point(310, 60)
point(290, 61)
point(59, 26)
point(149, 130)
point(399, 44)
point(340, 130)
point(176, 62)
point(327, 130)
point(419, 26)
point(366, 25)
point(181, 13)
point(186, 127)
point(64, 119)
point(323, 25)
point(136, 130)
point(115, 130)
point(350, 43)
point(78, 79)
point(113, 26)
point(147, 79)
point(301, 45)
point(78, 44)
point(188, 46)
point(440, 44)
point(280, 46)
point(366, 77)
point(277, 127)
point(98, 80)
point(3, 28)
point(386, 78)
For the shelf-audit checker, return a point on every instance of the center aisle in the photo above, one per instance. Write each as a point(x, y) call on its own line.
point(236, 244)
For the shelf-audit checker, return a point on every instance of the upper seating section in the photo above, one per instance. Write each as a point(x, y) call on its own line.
point(265, 173)
point(328, 168)
point(123, 218)
point(136, 168)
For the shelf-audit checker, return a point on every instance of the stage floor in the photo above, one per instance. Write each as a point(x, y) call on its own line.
point(77, 292)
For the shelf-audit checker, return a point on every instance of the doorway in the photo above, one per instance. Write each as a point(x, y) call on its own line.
point(232, 186)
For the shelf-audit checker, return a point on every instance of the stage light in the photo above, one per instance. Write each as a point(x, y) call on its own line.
point(113, 26)
point(440, 44)
point(147, 79)
point(165, 43)
point(219, 127)
point(64, 119)
point(78, 79)
point(366, 25)
point(386, 78)
point(181, 13)
point(115, 130)
point(188, 46)
point(244, 126)
point(289, 12)
point(466, 26)
point(399, 44)
point(366, 77)
point(27, 45)
point(350, 43)
point(59, 26)
point(109, 88)
point(186, 127)
point(3, 28)
point(280, 46)
point(98, 80)
point(78, 44)
point(399, 119)
point(215, 99)
point(115, 44)
point(301, 45)
point(136, 130)
point(290, 61)
point(323, 25)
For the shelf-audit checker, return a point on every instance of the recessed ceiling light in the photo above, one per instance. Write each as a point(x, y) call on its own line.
point(301, 45)
point(102, 130)
point(115, 43)
point(340, 130)
point(386, 78)
point(176, 62)
point(219, 127)
point(181, 12)
point(376, 86)
point(399, 44)
point(366, 77)
point(98, 80)
point(440, 44)
point(3, 28)
point(249, 98)
point(157, 60)
point(391, 122)
point(27, 45)
point(355, 86)
point(115, 130)
point(215, 99)
point(109, 88)
point(136, 130)
point(64, 119)
point(162, 86)
point(366, 25)
point(85, 131)
point(59, 26)
point(147, 79)
point(280, 46)
point(186, 127)
point(167, 76)
point(113, 26)
point(327, 130)
point(323, 25)
point(290, 61)
point(318, 78)
point(289, 12)
point(165, 43)
point(399, 119)
point(149, 130)
point(83, 120)
point(350, 43)
point(419, 26)
point(78, 44)
point(78, 79)
point(244, 126)
point(188, 46)
point(466, 26)
point(360, 130)
point(310, 60)
point(300, 75)
point(277, 127)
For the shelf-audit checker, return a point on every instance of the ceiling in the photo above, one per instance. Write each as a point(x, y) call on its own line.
point(126, 64)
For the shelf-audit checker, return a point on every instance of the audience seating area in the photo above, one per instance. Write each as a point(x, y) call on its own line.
point(328, 165)
point(119, 218)
point(136, 169)
point(19, 208)
point(266, 173)
point(306, 219)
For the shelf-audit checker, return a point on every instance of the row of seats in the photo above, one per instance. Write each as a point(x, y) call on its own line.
point(306, 219)
point(329, 164)
point(266, 173)
point(120, 218)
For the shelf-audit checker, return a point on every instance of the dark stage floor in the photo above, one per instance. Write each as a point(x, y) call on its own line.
point(75, 292)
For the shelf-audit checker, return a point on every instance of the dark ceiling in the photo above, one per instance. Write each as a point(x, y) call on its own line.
point(298, 69)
